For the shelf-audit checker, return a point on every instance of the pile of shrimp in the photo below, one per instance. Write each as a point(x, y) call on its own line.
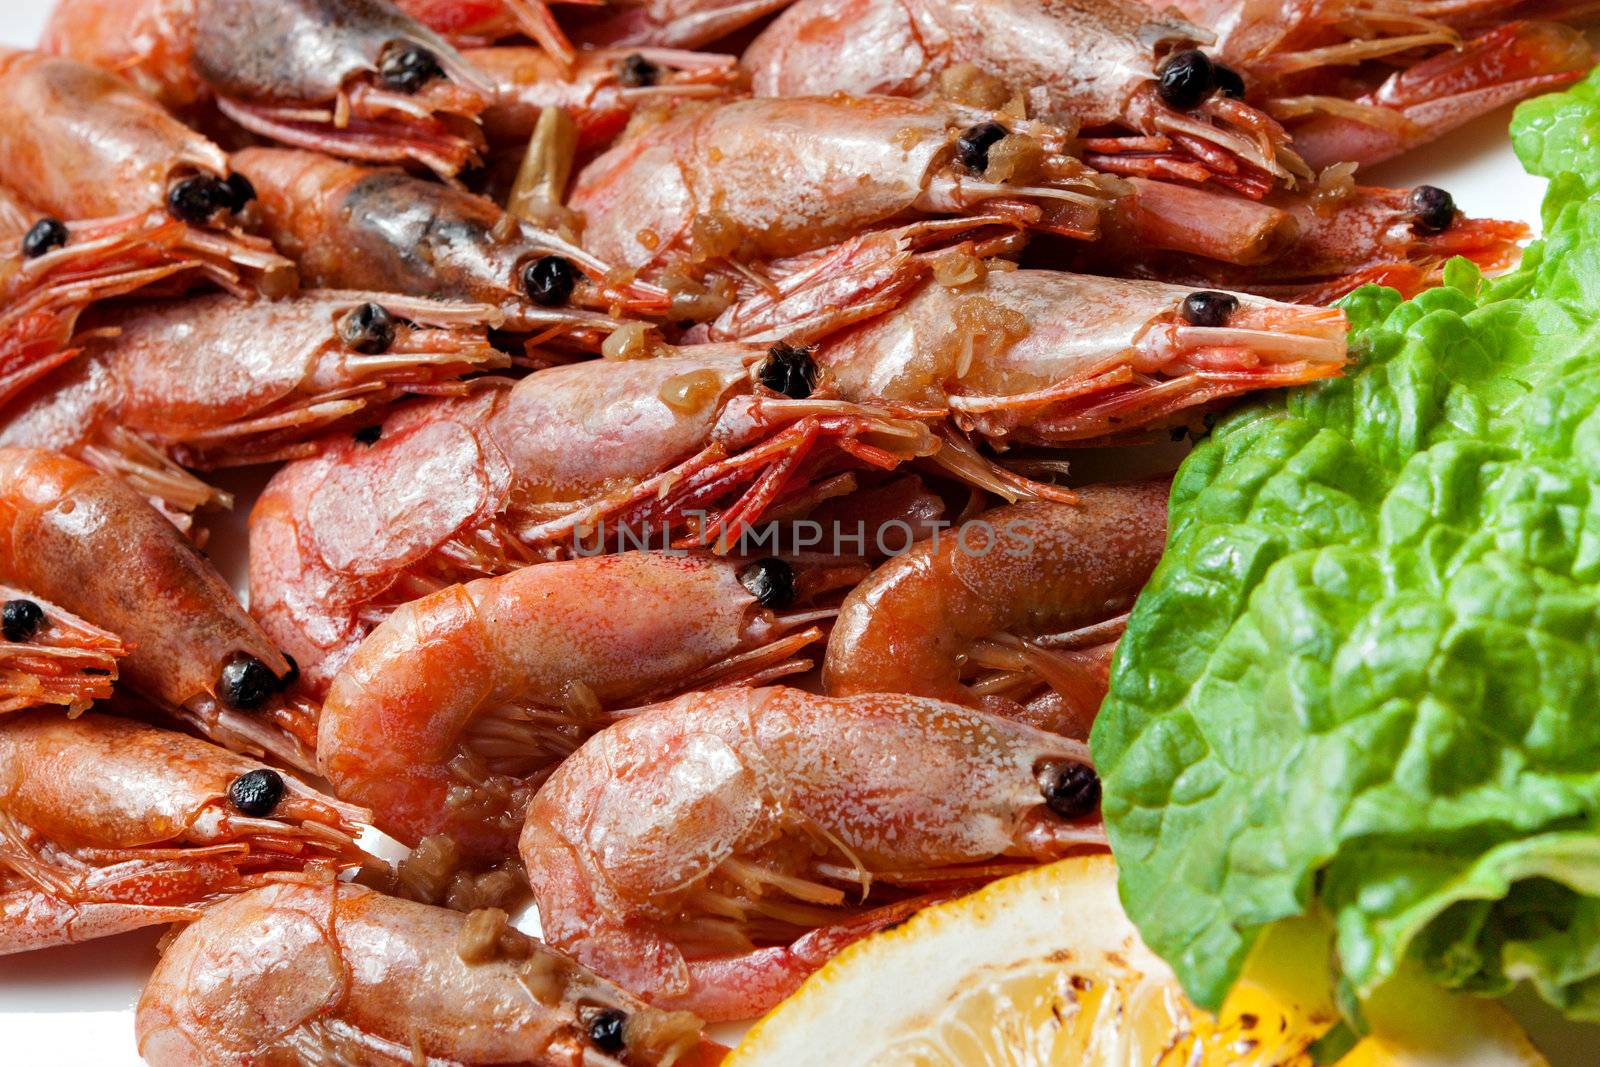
point(710, 451)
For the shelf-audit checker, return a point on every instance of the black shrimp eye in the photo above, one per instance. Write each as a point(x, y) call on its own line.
point(637, 72)
point(1071, 790)
point(1209, 308)
point(771, 582)
point(240, 192)
point(44, 236)
point(197, 200)
point(549, 280)
point(257, 793)
point(1229, 81)
point(1186, 79)
point(246, 684)
point(21, 619)
point(972, 147)
point(606, 1030)
point(1432, 208)
point(409, 68)
point(368, 329)
point(789, 370)
point(368, 435)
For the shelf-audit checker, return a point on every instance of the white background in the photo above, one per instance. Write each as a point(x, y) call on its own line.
point(73, 1007)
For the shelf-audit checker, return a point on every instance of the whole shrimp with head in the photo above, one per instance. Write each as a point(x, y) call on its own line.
point(164, 387)
point(383, 230)
point(1363, 82)
point(691, 447)
point(456, 709)
point(711, 852)
point(357, 78)
point(74, 537)
point(1016, 611)
point(1149, 101)
point(341, 974)
point(108, 825)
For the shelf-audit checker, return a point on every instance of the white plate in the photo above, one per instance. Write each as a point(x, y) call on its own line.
point(73, 1007)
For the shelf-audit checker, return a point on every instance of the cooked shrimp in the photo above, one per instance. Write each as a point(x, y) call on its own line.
point(108, 825)
point(711, 852)
point(572, 459)
point(358, 78)
point(353, 227)
point(1334, 240)
point(1047, 358)
point(457, 708)
point(1097, 62)
point(341, 974)
point(50, 657)
point(214, 381)
point(601, 91)
point(86, 541)
point(1009, 594)
point(1359, 81)
point(83, 144)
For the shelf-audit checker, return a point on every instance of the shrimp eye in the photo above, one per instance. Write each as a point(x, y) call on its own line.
point(240, 192)
point(197, 200)
point(1229, 81)
point(770, 581)
point(1209, 308)
point(606, 1030)
point(369, 329)
point(408, 68)
point(637, 72)
point(1071, 790)
point(20, 620)
point(549, 280)
point(972, 147)
point(257, 793)
point(1186, 79)
point(246, 684)
point(368, 435)
point(789, 370)
point(45, 235)
point(1432, 209)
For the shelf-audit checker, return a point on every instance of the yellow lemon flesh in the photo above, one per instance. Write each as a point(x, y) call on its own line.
point(1045, 970)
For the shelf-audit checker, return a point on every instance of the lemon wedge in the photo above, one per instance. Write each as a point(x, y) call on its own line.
point(1045, 970)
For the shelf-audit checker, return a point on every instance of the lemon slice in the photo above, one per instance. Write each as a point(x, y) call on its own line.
point(1045, 970)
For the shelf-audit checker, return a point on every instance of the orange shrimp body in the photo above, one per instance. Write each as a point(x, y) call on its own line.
point(455, 710)
point(358, 78)
point(601, 90)
point(567, 460)
point(1044, 357)
point(351, 227)
point(698, 186)
point(341, 974)
point(668, 23)
point(980, 597)
point(214, 381)
point(480, 21)
point(87, 542)
point(710, 852)
point(108, 825)
point(84, 144)
point(1095, 61)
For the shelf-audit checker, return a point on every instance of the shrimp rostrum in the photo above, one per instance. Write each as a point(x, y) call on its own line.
point(337, 973)
point(85, 541)
point(108, 825)
point(358, 78)
point(459, 706)
point(693, 447)
point(711, 852)
point(214, 381)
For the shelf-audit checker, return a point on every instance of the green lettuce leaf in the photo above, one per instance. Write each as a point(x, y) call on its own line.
point(1365, 680)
